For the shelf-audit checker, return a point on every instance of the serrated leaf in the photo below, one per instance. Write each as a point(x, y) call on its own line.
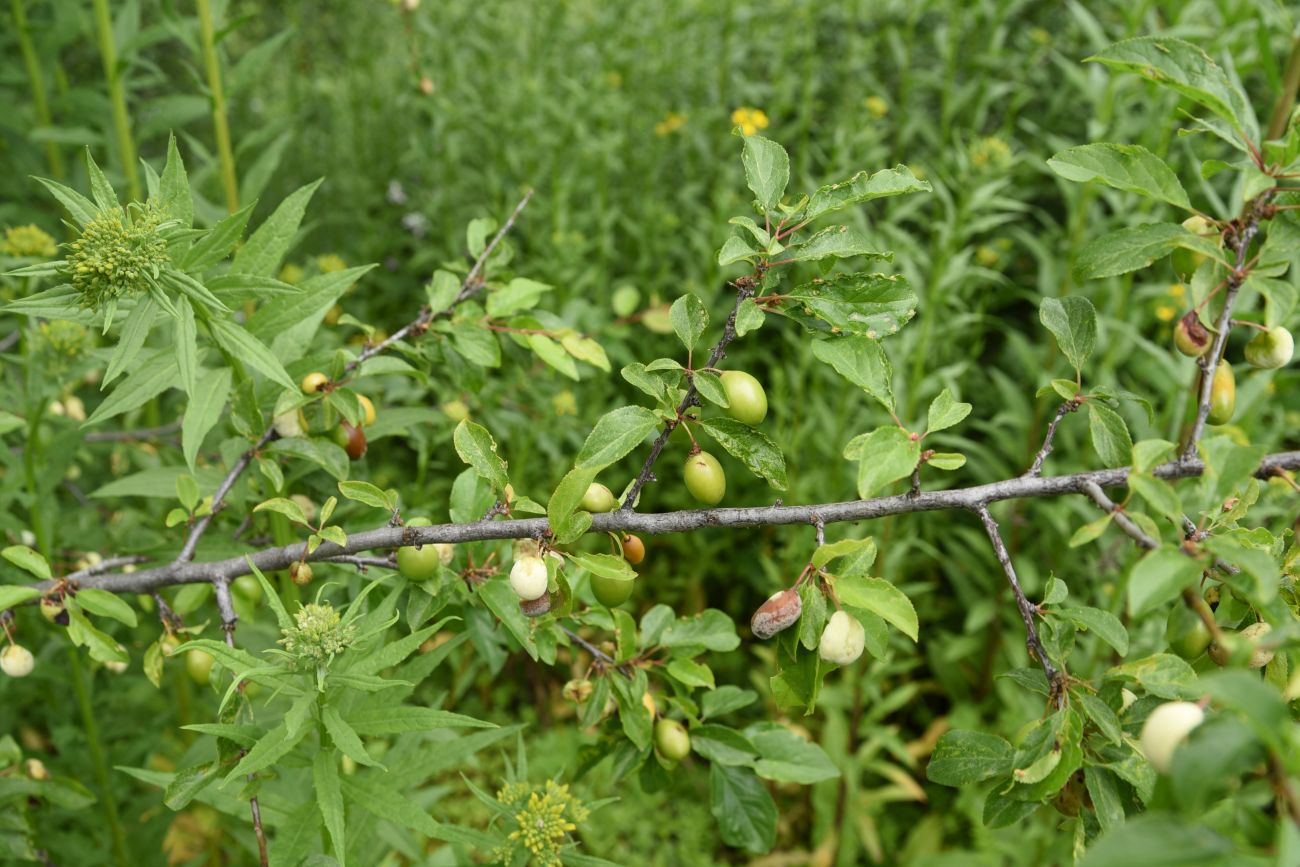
point(106, 604)
point(1073, 321)
point(689, 319)
point(945, 411)
point(204, 411)
point(1132, 168)
point(750, 446)
point(28, 559)
point(1160, 576)
point(281, 505)
point(862, 362)
point(767, 170)
point(872, 305)
point(1129, 249)
point(835, 241)
point(880, 598)
point(239, 343)
point(517, 295)
point(477, 448)
point(863, 187)
point(615, 435)
point(964, 757)
point(364, 492)
point(1110, 436)
point(884, 456)
point(266, 247)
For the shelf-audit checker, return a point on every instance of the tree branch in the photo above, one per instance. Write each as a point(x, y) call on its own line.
point(382, 538)
point(1055, 678)
point(1123, 521)
point(690, 399)
point(1066, 408)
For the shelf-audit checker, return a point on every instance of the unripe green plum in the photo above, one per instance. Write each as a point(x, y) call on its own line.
point(746, 398)
point(199, 664)
point(1186, 261)
point(1187, 634)
point(611, 592)
point(1270, 349)
point(598, 498)
point(248, 588)
point(418, 564)
point(705, 479)
point(1223, 395)
point(1165, 728)
point(672, 740)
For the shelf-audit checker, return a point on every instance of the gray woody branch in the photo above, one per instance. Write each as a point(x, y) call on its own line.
point(966, 499)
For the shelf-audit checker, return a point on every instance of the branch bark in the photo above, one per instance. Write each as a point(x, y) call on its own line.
point(1066, 408)
point(383, 538)
point(1056, 680)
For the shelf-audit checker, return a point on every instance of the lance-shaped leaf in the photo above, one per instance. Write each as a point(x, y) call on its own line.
point(266, 247)
point(1131, 168)
point(874, 305)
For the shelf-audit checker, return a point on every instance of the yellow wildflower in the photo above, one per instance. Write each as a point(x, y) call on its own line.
point(1166, 312)
point(565, 403)
point(990, 152)
point(750, 120)
point(672, 122)
point(1177, 290)
point(330, 262)
point(291, 273)
point(1041, 36)
point(28, 240)
point(986, 256)
point(877, 106)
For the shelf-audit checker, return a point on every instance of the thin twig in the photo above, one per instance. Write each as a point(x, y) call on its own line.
point(1056, 680)
point(1123, 521)
point(383, 538)
point(690, 399)
point(596, 652)
point(1065, 409)
point(106, 566)
point(219, 497)
point(1207, 363)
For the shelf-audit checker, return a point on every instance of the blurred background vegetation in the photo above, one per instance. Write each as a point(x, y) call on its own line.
point(619, 116)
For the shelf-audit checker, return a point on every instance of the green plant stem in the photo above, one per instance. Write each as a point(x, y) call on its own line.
point(1286, 98)
point(77, 672)
point(117, 96)
point(220, 124)
point(39, 102)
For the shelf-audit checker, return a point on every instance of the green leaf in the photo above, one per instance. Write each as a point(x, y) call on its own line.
point(749, 317)
point(477, 448)
point(106, 604)
point(204, 411)
point(83, 633)
point(1159, 494)
point(709, 385)
point(872, 305)
point(767, 171)
point(604, 565)
point(840, 242)
point(884, 456)
point(694, 675)
point(79, 207)
point(615, 435)
point(1132, 168)
point(11, 595)
point(689, 319)
point(503, 602)
point(155, 374)
point(736, 249)
point(329, 799)
point(964, 757)
point(100, 189)
point(1110, 436)
point(864, 548)
point(711, 629)
point(725, 700)
point(135, 330)
point(1160, 576)
point(750, 446)
point(1135, 247)
point(364, 492)
point(28, 559)
point(1188, 70)
point(378, 721)
point(174, 186)
point(189, 783)
point(289, 322)
point(1101, 715)
point(284, 506)
point(880, 598)
point(238, 343)
point(517, 295)
point(326, 454)
point(745, 811)
point(788, 758)
point(561, 508)
point(186, 346)
point(1103, 624)
point(1159, 840)
point(1161, 674)
point(218, 242)
point(863, 187)
point(862, 362)
point(723, 745)
point(1148, 453)
point(946, 461)
point(266, 247)
point(1073, 321)
point(945, 411)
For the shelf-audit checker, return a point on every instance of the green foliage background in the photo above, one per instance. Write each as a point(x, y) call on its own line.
point(565, 98)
